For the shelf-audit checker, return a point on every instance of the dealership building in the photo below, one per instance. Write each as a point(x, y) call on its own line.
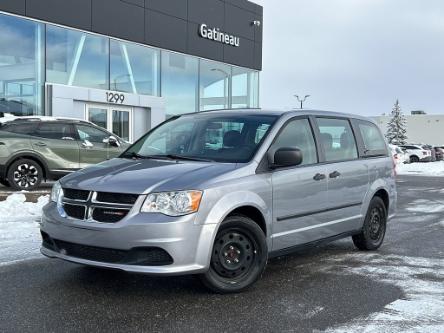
point(126, 65)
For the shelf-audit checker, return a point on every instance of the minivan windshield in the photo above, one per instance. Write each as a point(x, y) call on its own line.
point(205, 137)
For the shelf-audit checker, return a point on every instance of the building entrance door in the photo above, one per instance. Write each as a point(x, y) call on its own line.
point(116, 119)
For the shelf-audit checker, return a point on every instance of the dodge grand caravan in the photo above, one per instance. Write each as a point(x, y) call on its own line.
point(218, 193)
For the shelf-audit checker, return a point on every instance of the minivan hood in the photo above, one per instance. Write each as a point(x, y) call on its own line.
point(139, 176)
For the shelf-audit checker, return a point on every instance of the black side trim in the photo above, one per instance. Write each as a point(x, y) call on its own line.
point(292, 249)
point(287, 217)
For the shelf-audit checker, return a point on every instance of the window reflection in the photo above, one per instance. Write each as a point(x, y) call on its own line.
point(134, 68)
point(214, 85)
point(179, 83)
point(76, 59)
point(21, 83)
point(245, 86)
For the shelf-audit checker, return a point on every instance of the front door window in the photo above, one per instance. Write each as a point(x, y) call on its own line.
point(115, 119)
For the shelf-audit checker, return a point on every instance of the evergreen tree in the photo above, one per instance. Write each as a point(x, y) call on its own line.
point(396, 129)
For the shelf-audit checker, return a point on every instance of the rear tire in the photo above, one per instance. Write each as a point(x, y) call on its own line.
point(375, 223)
point(4, 182)
point(414, 159)
point(239, 256)
point(25, 174)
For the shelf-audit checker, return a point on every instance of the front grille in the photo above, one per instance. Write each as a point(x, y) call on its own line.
point(120, 198)
point(141, 256)
point(105, 207)
point(108, 215)
point(73, 194)
point(75, 211)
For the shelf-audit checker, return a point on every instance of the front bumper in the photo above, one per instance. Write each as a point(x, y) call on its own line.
point(188, 244)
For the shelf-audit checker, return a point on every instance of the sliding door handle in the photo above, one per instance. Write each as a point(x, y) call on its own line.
point(319, 176)
point(334, 174)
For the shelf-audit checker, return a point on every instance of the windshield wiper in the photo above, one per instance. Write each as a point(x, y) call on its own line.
point(180, 157)
point(134, 155)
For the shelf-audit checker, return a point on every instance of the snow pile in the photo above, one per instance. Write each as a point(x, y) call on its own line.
point(15, 208)
point(19, 231)
point(421, 169)
point(422, 309)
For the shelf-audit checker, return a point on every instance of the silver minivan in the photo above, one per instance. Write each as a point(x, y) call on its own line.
point(218, 193)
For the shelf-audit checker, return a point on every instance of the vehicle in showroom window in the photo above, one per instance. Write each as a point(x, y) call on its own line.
point(33, 149)
point(218, 193)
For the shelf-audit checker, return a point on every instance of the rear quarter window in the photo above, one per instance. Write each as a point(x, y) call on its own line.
point(374, 143)
point(23, 128)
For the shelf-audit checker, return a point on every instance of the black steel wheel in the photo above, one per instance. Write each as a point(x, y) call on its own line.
point(238, 257)
point(373, 231)
point(25, 174)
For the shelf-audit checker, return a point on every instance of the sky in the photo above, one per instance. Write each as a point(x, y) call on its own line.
point(354, 56)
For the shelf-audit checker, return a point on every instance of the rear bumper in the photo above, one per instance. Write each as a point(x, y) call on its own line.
point(188, 244)
point(426, 159)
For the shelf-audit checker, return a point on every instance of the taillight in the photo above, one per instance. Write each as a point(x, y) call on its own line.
point(394, 168)
point(425, 153)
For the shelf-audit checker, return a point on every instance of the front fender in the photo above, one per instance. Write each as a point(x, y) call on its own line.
point(215, 211)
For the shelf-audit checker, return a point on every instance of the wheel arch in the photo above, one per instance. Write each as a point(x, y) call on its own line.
point(383, 194)
point(30, 156)
point(253, 213)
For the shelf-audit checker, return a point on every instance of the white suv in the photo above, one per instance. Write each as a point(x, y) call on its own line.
point(417, 153)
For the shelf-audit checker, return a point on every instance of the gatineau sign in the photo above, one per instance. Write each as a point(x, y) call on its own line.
point(217, 35)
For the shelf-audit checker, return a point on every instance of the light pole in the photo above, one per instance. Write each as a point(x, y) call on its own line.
point(302, 100)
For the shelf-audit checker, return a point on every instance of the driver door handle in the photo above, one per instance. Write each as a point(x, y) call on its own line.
point(319, 176)
point(334, 174)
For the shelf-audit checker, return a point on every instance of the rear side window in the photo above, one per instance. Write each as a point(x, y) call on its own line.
point(374, 143)
point(297, 133)
point(337, 139)
point(56, 131)
point(23, 128)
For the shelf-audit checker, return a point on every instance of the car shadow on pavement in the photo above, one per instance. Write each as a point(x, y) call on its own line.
point(295, 290)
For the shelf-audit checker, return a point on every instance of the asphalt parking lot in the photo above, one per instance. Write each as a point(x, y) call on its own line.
point(329, 288)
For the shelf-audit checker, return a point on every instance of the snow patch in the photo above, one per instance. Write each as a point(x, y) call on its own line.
point(422, 280)
point(425, 206)
point(421, 169)
point(19, 231)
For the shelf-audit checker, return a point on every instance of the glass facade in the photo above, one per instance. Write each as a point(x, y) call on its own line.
point(76, 59)
point(180, 77)
point(21, 66)
point(134, 68)
point(32, 54)
point(214, 87)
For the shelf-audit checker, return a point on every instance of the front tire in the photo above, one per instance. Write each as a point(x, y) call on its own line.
point(25, 174)
point(375, 223)
point(238, 257)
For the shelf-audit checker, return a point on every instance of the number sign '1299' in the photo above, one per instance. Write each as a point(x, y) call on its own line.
point(115, 97)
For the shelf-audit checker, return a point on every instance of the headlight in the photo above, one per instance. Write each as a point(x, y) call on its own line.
point(172, 203)
point(56, 192)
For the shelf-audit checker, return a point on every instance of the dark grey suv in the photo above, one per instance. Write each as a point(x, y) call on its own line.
point(33, 149)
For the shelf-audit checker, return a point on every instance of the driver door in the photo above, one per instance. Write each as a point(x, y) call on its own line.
point(94, 147)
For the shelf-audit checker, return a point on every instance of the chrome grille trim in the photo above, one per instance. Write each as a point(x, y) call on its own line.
point(91, 203)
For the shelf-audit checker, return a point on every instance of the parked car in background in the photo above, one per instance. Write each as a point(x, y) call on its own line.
point(33, 149)
point(432, 151)
point(439, 151)
point(399, 155)
point(417, 153)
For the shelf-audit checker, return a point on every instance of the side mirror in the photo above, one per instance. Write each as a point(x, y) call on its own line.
point(285, 157)
point(112, 141)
